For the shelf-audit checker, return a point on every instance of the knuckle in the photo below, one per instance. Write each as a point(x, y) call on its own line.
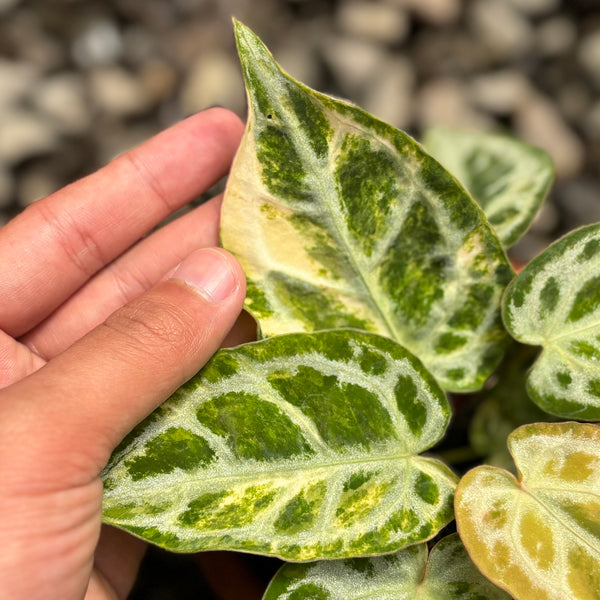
point(76, 241)
point(147, 176)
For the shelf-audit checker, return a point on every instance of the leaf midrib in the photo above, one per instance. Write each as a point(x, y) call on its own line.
point(254, 475)
point(327, 192)
point(544, 506)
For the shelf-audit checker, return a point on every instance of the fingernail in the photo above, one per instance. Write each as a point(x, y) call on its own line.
point(210, 272)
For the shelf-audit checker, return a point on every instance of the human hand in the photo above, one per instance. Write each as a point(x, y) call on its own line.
point(95, 332)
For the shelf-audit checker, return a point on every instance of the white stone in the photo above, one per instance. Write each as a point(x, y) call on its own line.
point(24, 134)
point(500, 27)
point(158, 78)
point(500, 92)
point(589, 54)
point(213, 80)
point(444, 102)
point(16, 81)
point(6, 5)
point(117, 92)
point(555, 36)
point(99, 44)
point(538, 122)
point(380, 22)
point(436, 12)
point(352, 61)
point(62, 98)
point(390, 94)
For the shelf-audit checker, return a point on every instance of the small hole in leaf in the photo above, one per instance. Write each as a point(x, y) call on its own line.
point(269, 116)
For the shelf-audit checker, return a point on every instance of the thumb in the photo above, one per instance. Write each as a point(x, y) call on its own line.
point(78, 407)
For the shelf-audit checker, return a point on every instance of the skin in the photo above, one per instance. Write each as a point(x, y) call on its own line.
point(98, 326)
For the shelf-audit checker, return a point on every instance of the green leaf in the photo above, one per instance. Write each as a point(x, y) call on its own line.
point(555, 303)
point(406, 575)
point(302, 446)
point(538, 537)
point(340, 220)
point(508, 178)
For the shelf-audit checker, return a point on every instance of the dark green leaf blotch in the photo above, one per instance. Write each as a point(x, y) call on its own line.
point(176, 448)
point(344, 413)
point(241, 419)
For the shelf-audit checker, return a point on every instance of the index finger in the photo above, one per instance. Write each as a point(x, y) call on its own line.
point(53, 247)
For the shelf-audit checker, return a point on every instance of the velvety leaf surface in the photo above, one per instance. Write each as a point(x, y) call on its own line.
point(302, 446)
point(555, 303)
point(340, 220)
point(538, 537)
point(508, 178)
point(406, 575)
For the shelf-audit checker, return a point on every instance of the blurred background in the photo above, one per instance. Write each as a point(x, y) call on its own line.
point(83, 80)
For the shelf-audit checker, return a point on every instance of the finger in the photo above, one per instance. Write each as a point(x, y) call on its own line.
point(16, 360)
point(86, 225)
point(90, 396)
point(126, 278)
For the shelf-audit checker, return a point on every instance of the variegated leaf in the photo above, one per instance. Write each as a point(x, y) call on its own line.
point(406, 575)
point(508, 178)
point(555, 303)
point(539, 537)
point(302, 446)
point(340, 220)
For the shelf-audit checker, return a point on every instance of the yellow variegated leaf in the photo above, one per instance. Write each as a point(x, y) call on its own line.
point(538, 537)
point(340, 220)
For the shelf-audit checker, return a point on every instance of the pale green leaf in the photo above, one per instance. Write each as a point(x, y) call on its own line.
point(555, 303)
point(538, 537)
point(302, 446)
point(508, 178)
point(406, 575)
point(340, 220)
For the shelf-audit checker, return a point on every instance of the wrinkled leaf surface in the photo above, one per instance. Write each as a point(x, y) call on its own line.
point(508, 178)
point(555, 303)
point(406, 575)
point(538, 537)
point(302, 446)
point(340, 220)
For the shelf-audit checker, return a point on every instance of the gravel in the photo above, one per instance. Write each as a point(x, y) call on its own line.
point(81, 81)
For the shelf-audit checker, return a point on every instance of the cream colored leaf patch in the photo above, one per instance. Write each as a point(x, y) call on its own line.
point(508, 178)
point(340, 220)
point(555, 303)
point(538, 537)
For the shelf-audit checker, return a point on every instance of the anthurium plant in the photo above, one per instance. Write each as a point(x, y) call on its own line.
point(385, 301)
